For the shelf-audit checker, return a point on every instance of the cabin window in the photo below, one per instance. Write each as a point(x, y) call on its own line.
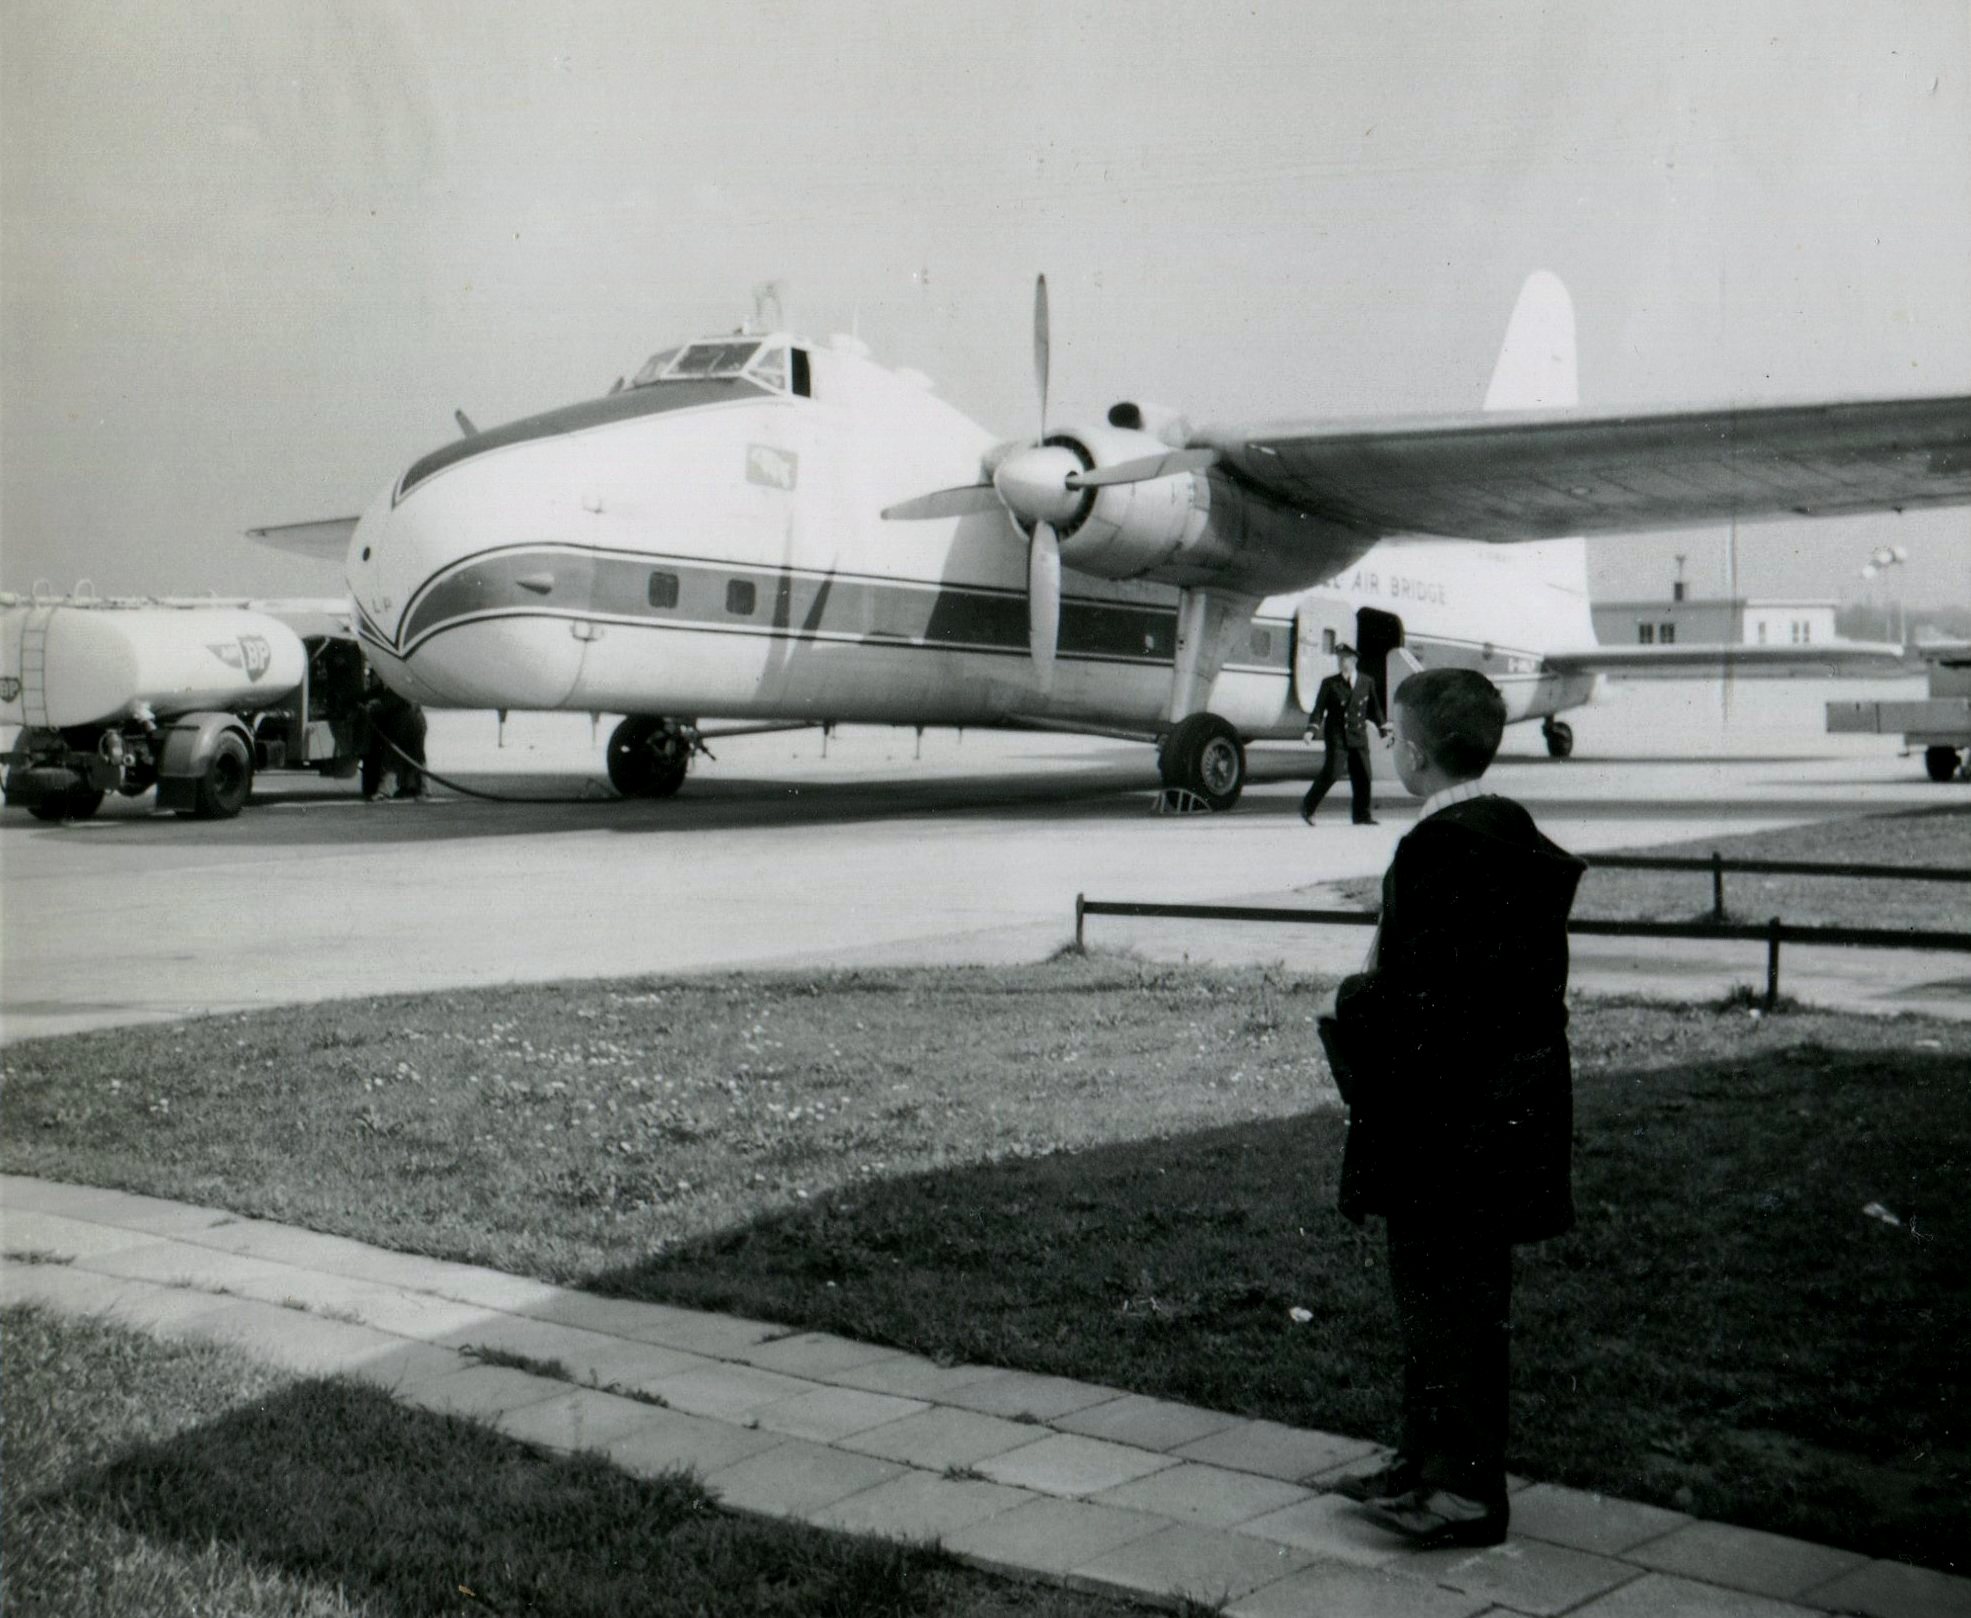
point(1645, 634)
point(741, 597)
point(663, 589)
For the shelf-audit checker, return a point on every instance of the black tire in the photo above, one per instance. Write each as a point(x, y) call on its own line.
point(648, 758)
point(228, 779)
point(1204, 755)
point(78, 803)
point(1560, 739)
point(1940, 763)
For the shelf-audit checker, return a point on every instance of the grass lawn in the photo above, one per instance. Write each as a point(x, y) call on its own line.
point(148, 1477)
point(1939, 836)
point(1125, 1173)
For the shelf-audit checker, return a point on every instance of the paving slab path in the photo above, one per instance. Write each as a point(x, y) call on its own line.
point(1032, 1476)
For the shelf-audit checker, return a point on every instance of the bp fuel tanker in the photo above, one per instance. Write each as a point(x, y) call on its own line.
point(187, 698)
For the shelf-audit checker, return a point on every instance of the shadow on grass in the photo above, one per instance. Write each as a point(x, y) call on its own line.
point(340, 1486)
point(1729, 1331)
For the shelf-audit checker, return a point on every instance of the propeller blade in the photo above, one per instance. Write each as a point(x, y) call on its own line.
point(1146, 468)
point(1041, 345)
point(967, 500)
point(1043, 599)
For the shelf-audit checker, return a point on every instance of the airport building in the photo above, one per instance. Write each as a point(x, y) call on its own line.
point(1713, 621)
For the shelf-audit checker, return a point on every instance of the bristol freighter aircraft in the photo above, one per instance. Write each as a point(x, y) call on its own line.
point(756, 529)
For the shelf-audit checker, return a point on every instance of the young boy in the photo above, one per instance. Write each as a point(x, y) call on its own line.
point(1452, 1051)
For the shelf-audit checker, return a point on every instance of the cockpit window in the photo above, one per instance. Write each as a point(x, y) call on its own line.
point(763, 363)
point(769, 368)
point(653, 368)
point(710, 359)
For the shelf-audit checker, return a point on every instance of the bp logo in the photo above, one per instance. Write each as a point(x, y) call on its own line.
point(250, 654)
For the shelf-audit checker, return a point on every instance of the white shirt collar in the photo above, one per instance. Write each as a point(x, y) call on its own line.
point(1463, 792)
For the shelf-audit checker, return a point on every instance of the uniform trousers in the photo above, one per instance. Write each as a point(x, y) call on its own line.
point(1453, 1292)
point(1358, 781)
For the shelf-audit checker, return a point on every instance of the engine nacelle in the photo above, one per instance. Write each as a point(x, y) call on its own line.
point(1163, 527)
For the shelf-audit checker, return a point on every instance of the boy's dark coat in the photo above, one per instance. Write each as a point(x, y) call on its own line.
point(1461, 1099)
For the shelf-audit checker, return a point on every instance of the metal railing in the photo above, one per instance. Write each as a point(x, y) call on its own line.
point(1717, 865)
point(1773, 933)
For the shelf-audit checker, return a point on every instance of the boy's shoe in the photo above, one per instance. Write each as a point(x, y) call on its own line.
point(1433, 1518)
point(1400, 1475)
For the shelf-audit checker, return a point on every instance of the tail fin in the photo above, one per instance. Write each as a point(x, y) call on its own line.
point(1536, 371)
point(1536, 362)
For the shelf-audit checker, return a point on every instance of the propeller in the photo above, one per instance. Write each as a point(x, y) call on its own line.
point(1042, 486)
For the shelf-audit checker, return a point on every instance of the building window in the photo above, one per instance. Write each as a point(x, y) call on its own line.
point(1645, 634)
point(1762, 632)
point(663, 589)
point(741, 597)
point(1666, 634)
point(1795, 627)
point(1807, 632)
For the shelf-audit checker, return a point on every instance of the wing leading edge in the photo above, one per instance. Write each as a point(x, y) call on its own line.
point(1546, 476)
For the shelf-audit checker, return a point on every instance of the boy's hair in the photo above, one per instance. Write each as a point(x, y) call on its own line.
point(1456, 716)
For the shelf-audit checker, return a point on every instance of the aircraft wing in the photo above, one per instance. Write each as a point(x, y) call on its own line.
point(326, 540)
point(1830, 657)
point(1547, 475)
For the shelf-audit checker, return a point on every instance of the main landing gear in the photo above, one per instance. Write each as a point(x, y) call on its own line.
point(1560, 738)
point(1204, 756)
point(649, 758)
point(1940, 763)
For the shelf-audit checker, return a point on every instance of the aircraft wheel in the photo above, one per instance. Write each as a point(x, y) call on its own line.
point(1560, 739)
point(78, 803)
point(1204, 755)
point(1940, 762)
point(648, 758)
point(228, 780)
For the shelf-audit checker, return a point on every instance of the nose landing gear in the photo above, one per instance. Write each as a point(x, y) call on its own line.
point(649, 757)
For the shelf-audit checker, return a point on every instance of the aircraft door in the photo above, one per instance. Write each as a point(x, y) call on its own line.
point(1318, 627)
point(1377, 634)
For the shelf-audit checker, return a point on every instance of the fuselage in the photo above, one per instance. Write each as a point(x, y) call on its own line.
point(708, 544)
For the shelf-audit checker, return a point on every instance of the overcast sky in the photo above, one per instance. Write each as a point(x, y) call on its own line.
point(253, 254)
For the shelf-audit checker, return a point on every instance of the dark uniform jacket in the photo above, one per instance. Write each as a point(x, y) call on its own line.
point(1461, 1091)
point(1345, 709)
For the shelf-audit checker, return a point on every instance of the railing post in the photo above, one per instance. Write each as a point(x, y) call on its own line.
point(1772, 964)
point(1717, 886)
point(1080, 910)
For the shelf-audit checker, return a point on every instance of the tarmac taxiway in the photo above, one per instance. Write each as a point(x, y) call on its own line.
point(874, 850)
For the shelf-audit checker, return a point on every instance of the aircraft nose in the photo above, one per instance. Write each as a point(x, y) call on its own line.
point(478, 609)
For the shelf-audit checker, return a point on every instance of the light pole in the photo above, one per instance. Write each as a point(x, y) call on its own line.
point(1880, 561)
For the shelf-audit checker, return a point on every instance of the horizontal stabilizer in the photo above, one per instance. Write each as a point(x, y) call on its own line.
point(1830, 657)
point(325, 540)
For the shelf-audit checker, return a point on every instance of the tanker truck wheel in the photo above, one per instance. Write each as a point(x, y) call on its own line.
point(78, 803)
point(228, 778)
